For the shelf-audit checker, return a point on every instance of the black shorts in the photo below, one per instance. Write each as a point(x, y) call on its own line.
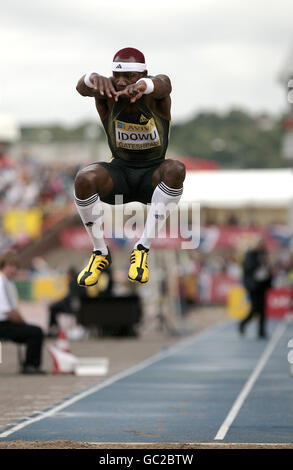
point(134, 184)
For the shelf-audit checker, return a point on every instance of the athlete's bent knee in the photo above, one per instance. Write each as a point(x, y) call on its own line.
point(85, 183)
point(174, 173)
point(92, 180)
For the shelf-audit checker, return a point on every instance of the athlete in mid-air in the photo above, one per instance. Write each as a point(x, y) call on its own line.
point(135, 112)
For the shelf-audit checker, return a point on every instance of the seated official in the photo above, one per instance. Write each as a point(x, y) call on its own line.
point(12, 325)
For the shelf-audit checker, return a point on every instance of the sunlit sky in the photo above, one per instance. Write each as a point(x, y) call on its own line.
point(218, 53)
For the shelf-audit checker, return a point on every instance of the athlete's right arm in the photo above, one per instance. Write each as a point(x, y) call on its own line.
point(102, 87)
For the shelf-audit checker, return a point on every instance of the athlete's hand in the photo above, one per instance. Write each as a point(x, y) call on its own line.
point(103, 85)
point(133, 92)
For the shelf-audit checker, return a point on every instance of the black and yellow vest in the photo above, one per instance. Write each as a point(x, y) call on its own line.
point(140, 141)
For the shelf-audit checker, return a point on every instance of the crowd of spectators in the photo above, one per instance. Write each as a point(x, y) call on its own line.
point(211, 273)
point(30, 183)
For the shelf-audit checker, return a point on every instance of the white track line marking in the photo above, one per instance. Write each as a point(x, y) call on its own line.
point(251, 381)
point(120, 375)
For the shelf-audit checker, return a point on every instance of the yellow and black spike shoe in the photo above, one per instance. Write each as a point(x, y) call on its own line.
point(139, 271)
point(89, 276)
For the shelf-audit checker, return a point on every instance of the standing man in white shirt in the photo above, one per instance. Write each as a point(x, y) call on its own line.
point(12, 325)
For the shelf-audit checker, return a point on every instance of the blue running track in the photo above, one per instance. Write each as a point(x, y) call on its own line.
point(184, 394)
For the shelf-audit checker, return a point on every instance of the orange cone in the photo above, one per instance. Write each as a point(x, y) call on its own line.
point(63, 361)
point(62, 342)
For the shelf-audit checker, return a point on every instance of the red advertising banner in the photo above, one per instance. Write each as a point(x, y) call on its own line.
point(76, 238)
point(211, 238)
point(278, 301)
point(241, 238)
point(220, 287)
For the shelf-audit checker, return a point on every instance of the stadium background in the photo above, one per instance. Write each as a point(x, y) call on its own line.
point(239, 170)
point(242, 192)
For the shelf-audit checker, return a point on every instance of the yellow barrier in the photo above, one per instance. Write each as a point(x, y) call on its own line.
point(23, 221)
point(238, 304)
point(50, 288)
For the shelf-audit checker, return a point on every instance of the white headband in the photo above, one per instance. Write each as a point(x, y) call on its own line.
point(128, 67)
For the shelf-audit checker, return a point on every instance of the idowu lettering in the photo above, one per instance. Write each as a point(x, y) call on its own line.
point(135, 136)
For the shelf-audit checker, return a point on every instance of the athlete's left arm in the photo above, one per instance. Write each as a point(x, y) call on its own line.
point(162, 87)
point(159, 100)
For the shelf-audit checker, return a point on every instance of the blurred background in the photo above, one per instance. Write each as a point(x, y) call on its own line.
point(230, 64)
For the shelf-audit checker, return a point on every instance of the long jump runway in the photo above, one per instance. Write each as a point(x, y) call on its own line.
point(212, 387)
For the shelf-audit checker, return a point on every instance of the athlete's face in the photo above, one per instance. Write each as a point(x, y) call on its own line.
point(122, 79)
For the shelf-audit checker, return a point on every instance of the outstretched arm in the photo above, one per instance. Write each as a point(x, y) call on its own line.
point(96, 85)
point(160, 88)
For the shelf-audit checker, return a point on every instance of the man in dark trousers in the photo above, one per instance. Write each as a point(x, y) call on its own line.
point(70, 304)
point(12, 325)
point(257, 279)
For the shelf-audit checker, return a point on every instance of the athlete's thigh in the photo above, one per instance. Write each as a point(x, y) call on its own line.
point(148, 182)
point(120, 191)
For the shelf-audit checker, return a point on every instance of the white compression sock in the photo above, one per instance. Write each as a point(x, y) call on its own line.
point(162, 197)
point(92, 220)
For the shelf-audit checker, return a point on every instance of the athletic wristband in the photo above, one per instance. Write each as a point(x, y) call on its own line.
point(149, 85)
point(87, 81)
